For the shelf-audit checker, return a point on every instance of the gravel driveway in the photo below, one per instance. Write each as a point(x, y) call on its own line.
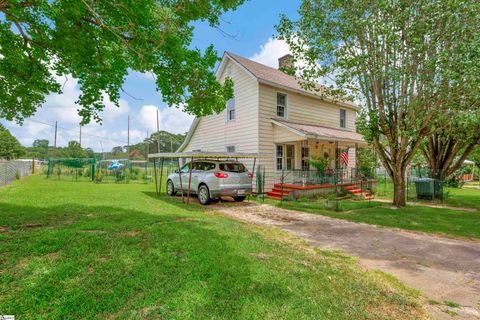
point(443, 269)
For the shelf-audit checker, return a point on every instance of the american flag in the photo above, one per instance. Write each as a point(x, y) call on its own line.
point(344, 157)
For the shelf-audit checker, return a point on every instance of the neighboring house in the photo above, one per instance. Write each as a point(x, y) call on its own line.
point(271, 114)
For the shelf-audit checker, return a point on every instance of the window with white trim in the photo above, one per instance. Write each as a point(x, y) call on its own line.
point(231, 109)
point(281, 105)
point(290, 157)
point(279, 156)
point(285, 156)
point(230, 148)
point(305, 157)
point(343, 118)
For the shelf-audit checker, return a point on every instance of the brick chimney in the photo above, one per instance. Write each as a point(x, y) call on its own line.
point(285, 62)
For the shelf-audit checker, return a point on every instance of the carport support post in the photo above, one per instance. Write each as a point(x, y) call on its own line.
point(161, 177)
point(189, 180)
point(155, 173)
point(253, 174)
point(180, 178)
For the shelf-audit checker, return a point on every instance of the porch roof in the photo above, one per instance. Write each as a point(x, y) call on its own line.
point(309, 131)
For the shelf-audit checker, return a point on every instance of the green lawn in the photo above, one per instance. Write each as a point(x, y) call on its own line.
point(115, 251)
point(468, 198)
point(413, 217)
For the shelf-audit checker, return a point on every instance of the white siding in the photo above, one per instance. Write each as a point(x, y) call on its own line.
point(252, 130)
point(302, 109)
point(214, 133)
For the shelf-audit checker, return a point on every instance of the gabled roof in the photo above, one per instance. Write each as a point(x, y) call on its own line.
point(320, 132)
point(277, 78)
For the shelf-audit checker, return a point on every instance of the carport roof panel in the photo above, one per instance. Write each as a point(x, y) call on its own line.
point(205, 155)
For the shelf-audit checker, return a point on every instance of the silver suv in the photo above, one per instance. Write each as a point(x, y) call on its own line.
point(212, 179)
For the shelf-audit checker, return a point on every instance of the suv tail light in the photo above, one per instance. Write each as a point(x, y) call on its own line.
point(221, 175)
point(250, 175)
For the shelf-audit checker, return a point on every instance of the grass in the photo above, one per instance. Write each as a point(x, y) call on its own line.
point(445, 221)
point(468, 198)
point(115, 251)
point(451, 304)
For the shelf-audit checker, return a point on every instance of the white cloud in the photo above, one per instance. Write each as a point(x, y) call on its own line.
point(270, 52)
point(171, 119)
point(62, 108)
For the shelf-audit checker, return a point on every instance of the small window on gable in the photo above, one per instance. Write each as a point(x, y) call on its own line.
point(281, 105)
point(343, 118)
point(230, 148)
point(231, 109)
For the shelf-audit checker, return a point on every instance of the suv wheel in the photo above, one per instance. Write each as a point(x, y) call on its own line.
point(239, 198)
point(171, 188)
point(204, 195)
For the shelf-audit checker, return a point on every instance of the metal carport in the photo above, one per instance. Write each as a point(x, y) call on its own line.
point(193, 155)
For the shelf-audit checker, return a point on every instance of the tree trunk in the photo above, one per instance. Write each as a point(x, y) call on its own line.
point(399, 189)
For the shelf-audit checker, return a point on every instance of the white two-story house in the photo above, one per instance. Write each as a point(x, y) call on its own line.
point(271, 114)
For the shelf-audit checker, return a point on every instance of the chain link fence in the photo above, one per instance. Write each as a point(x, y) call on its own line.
point(14, 169)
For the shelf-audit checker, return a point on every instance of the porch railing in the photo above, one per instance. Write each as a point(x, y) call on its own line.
point(329, 176)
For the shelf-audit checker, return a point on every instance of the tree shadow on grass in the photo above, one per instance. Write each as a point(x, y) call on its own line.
point(103, 260)
point(193, 205)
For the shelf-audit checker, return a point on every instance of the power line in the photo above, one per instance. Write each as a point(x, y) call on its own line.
point(77, 131)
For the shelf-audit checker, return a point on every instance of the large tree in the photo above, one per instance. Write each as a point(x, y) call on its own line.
point(10, 148)
point(475, 157)
point(74, 150)
point(98, 42)
point(454, 138)
point(396, 58)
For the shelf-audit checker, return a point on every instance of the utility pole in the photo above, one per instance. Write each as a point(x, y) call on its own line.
point(128, 137)
point(148, 145)
point(103, 153)
point(55, 143)
point(158, 134)
point(80, 139)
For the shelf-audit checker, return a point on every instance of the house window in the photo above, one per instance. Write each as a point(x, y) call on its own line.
point(285, 156)
point(305, 158)
point(279, 156)
point(290, 157)
point(281, 105)
point(231, 109)
point(343, 118)
point(230, 148)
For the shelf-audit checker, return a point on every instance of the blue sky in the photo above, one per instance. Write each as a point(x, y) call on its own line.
point(250, 32)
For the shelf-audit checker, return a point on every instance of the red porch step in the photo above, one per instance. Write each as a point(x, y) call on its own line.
point(273, 195)
point(351, 187)
point(358, 192)
point(279, 190)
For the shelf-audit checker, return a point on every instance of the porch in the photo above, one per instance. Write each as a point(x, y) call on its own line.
point(294, 184)
point(312, 159)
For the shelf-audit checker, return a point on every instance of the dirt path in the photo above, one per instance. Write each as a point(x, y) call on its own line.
point(442, 269)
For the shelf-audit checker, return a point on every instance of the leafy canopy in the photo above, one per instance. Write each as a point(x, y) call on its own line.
point(74, 150)
point(406, 62)
point(10, 148)
point(98, 42)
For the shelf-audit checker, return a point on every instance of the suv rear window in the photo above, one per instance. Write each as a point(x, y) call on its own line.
point(232, 167)
point(203, 166)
